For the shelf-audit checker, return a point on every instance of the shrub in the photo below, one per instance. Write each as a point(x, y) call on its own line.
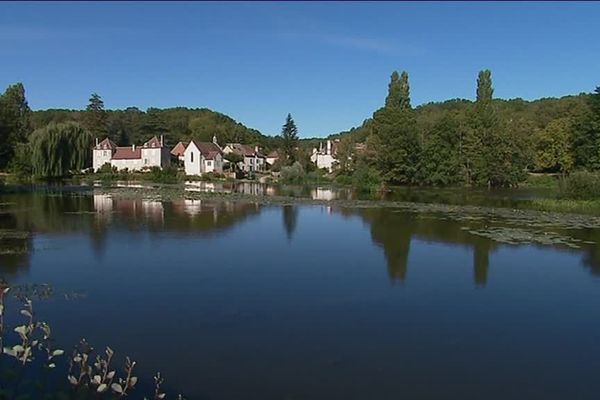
point(343, 180)
point(292, 174)
point(107, 169)
point(21, 163)
point(167, 174)
point(581, 186)
point(365, 177)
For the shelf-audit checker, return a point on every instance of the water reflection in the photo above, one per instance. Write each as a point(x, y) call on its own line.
point(290, 219)
point(26, 215)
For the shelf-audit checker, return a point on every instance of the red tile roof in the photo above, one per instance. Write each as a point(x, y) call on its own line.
point(127, 153)
point(207, 149)
point(179, 149)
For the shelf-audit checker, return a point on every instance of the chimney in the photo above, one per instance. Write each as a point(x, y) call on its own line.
point(329, 147)
point(97, 142)
point(161, 141)
point(256, 149)
point(215, 140)
point(133, 147)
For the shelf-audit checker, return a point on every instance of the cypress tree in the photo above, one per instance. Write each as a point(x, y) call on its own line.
point(289, 139)
point(397, 159)
point(95, 119)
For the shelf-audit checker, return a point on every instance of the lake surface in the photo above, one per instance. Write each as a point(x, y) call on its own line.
point(242, 301)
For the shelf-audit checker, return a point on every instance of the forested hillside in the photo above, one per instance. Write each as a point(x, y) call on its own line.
point(133, 125)
point(486, 142)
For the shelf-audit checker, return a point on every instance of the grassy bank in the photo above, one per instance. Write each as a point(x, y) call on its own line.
point(589, 207)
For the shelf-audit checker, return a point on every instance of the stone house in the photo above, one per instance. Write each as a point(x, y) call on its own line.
point(153, 153)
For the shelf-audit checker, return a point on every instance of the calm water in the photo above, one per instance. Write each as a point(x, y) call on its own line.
point(240, 301)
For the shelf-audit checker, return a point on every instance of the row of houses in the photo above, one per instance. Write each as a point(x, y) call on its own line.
point(198, 157)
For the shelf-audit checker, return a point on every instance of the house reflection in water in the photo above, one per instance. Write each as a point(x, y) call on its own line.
point(324, 194)
point(132, 209)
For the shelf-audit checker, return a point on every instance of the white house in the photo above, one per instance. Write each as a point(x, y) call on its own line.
point(202, 157)
point(272, 157)
point(253, 160)
point(133, 158)
point(325, 156)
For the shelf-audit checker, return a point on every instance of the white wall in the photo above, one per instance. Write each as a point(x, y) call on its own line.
point(134, 164)
point(100, 157)
point(192, 160)
point(324, 161)
point(215, 165)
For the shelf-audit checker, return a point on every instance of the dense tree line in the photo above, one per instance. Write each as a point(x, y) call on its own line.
point(56, 142)
point(486, 142)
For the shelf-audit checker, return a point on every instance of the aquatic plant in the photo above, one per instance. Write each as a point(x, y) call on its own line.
point(35, 370)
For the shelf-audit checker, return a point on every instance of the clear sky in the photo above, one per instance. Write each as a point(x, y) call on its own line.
point(326, 63)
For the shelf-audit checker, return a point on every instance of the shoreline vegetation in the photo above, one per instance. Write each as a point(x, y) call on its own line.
point(576, 194)
point(579, 211)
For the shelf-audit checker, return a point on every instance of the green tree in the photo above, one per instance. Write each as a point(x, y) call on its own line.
point(395, 126)
point(59, 149)
point(346, 155)
point(495, 158)
point(95, 117)
point(14, 121)
point(398, 91)
point(441, 162)
point(289, 139)
point(587, 134)
point(553, 147)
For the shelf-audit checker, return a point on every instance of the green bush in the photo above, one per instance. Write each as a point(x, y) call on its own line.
point(168, 174)
point(343, 180)
point(581, 186)
point(107, 169)
point(21, 165)
point(365, 177)
point(293, 174)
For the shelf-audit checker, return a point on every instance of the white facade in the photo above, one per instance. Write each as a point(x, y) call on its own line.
point(133, 158)
point(252, 159)
point(324, 157)
point(200, 158)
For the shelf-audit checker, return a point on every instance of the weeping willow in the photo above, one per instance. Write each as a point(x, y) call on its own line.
point(59, 149)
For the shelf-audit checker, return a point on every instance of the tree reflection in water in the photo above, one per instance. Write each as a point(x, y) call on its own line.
point(23, 215)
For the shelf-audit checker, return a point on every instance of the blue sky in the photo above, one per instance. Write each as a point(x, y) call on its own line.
point(326, 63)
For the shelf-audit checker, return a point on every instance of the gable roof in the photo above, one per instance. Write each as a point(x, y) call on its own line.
point(127, 153)
point(208, 149)
point(179, 149)
point(106, 143)
point(244, 150)
point(154, 142)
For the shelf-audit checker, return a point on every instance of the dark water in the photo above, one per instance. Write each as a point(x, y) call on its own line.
point(242, 301)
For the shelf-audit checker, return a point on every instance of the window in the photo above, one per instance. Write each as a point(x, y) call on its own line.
point(105, 153)
point(209, 163)
point(145, 161)
point(191, 157)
